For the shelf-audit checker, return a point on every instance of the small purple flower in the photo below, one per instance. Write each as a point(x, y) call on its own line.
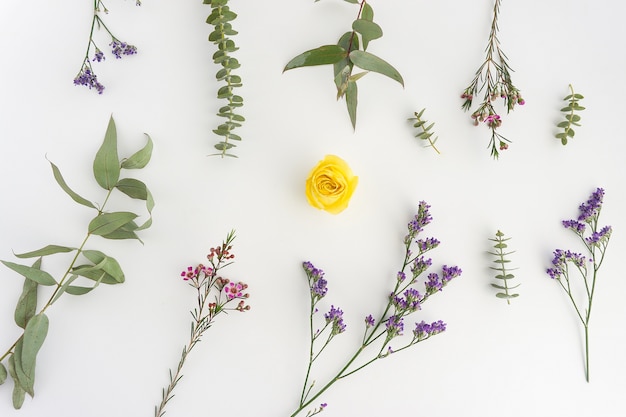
point(421, 219)
point(395, 326)
point(602, 235)
point(433, 284)
point(335, 316)
point(99, 56)
point(88, 78)
point(401, 276)
point(369, 321)
point(316, 280)
point(427, 244)
point(420, 265)
point(424, 330)
point(592, 207)
point(449, 273)
point(575, 226)
point(122, 48)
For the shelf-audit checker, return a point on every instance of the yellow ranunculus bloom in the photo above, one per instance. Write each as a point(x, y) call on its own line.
point(330, 185)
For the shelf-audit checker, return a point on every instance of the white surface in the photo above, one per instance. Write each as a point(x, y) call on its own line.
point(108, 353)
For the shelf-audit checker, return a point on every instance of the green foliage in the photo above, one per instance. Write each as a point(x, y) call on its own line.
point(571, 118)
point(350, 51)
point(424, 131)
point(220, 18)
point(504, 273)
point(85, 263)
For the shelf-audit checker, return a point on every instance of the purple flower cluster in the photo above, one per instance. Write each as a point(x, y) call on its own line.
point(395, 326)
point(420, 265)
point(560, 260)
point(87, 77)
point(450, 272)
point(122, 48)
point(433, 284)
point(317, 283)
point(369, 321)
point(599, 237)
point(575, 226)
point(424, 330)
point(408, 303)
point(427, 244)
point(591, 209)
point(99, 56)
point(421, 219)
point(335, 317)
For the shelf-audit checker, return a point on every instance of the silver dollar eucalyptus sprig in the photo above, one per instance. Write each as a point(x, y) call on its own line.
point(349, 52)
point(571, 118)
point(504, 273)
point(424, 129)
point(220, 19)
point(88, 265)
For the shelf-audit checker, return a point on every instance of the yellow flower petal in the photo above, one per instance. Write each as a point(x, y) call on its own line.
point(330, 185)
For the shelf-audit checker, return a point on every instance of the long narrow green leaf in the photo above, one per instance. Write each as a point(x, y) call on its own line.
point(106, 165)
point(149, 207)
point(59, 179)
point(45, 251)
point(27, 303)
point(105, 263)
point(26, 381)
point(370, 62)
point(34, 336)
point(94, 273)
point(61, 290)
point(351, 101)
point(132, 188)
point(37, 275)
point(3, 374)
point(140, 158)
point(18, 392)
point(108, 222)
point(326, 54)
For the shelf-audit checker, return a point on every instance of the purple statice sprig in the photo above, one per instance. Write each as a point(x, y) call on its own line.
point(408, 297)
point(215, 295)
point(595, 240)
point(87, 76)
point(493, 78)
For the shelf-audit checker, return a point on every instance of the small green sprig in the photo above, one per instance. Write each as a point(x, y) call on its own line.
point(571, 118)
point(350, 51)
point(220, 18)
point(504, 273)
point(86, 264)
point(424, 132)
point(494, 77)
point(214, 294)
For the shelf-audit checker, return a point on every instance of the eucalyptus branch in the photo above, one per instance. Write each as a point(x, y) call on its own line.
point(494, 78)
point(350, 51)
point(424, 132)
point(402, 301)
point(571, 118)
point(214, 295)
point(220, 18)
point(504, 273)
point(96, 266)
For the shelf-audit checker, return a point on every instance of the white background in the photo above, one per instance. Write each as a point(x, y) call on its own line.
point(108, 352)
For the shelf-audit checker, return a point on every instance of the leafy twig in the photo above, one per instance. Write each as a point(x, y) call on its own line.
point(220, 18)
point(349, 52)
point(96, 266)
point(494, 77)
point(425, 133)
point(571, 118)
point(504, 274)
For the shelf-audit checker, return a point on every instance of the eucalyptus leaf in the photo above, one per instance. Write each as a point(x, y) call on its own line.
point(132, 188)
point(61, 290)
point(34, 336)
point(26, 381)
point(327, 54)
point(367, 12)
point(370, 62)
point(34, 274)
point(140, 158)
point(27, 303)
point(125, 232)
point(108, 222)
point(105, 263)
point(74, 290)
point(3, 374)
point(94, 273)
point(18, 392)
point(45, 251)
point(368, 30)
point(106, 165)
point(59, 179)
point(351, 101)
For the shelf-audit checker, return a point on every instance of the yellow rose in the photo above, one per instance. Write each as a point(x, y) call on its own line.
point(330, 185)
